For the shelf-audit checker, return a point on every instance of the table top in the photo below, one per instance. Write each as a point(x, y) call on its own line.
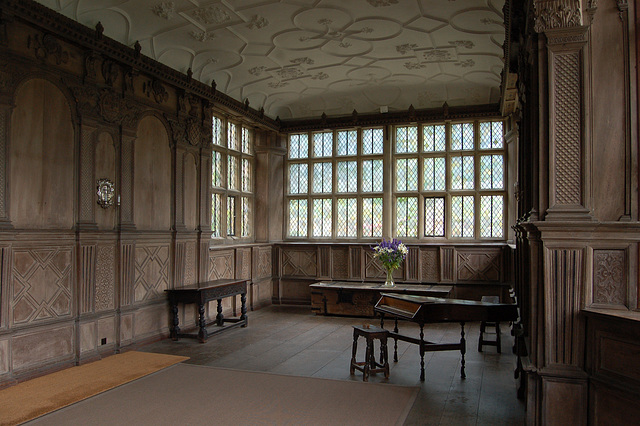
point(398, 288)
point(209, 284)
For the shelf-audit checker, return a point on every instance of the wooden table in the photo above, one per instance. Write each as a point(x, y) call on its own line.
point(359, 298)
point(202, 293)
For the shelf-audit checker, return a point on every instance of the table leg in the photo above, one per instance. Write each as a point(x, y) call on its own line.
point(243, 309)
point(422, 352)
point(202, 332)
point(220, 317)
point(463, 349)
point(395, 341)
point(175, 321)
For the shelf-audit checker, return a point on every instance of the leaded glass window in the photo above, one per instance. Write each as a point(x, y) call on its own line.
point(246, 175)
point(435, 170)
point(216, 131)
point(372, 176)
point(491, 172)
point(347, 176)
point(347, 217)
point(216, 214)
point(322, 177)
point(322, 219)
point(245, 210)
point(298, 218)
point(407, 174)
point(462, 216)
point(246, 140)
point(407, 217)
point(434, 138)
point(462, 137)
point(299, 146)
point(491, 216)
point(323, 144)
point(298, 178)
point(216, 169)
point(462, 172)
point(231, 215)
point(406, 139)
point(372, 217)
point(434, 217)
point(491, 135)
point(232, 172)
point(347, 143)
point(232, 136)
point(372, 141)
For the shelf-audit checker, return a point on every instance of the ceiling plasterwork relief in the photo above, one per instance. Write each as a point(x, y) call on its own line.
point(303, 58)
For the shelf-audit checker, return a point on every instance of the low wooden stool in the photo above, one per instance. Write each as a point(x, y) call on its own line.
point(485, 324)
point(369, 365)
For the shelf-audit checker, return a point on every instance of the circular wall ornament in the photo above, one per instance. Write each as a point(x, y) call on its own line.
point(106, 192)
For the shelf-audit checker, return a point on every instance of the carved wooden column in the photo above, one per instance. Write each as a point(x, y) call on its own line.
point(558, 386)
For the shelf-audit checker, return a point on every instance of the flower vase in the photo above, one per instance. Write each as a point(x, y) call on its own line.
point(389, 282)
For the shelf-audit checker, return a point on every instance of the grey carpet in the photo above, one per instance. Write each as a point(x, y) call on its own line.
point(189, 394)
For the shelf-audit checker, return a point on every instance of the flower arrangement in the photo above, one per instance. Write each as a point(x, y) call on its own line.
point(391, 254)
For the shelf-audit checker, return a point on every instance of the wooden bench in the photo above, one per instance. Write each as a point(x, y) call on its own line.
point(201, 294)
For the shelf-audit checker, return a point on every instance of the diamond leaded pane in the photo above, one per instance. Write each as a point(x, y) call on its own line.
point(323, 144)
point(322, 217)
point(246, 175)
point(347, 176)
point(434, 217)
point(216, 131)
point(246, 140)
point(434, 138)
point(462, 172)
point(372, 175)
point(406, 139)
point(435, 170)
point(372, 141)
point(299, 146)
point(298, 178)
point(407, 174)
point(347, 220)
point(322, 177)
point(216, 169)
point(297, 218)
point(407, 216)
point(462, 216)
point(231, 216)
point(462, 136)
point(491, 216)
point(216, 214)
point(491, 134)
point(232, 136)
point(232, 172)
point(491, 172)
point(372, 217)
point(244, 225)
point(347, 142)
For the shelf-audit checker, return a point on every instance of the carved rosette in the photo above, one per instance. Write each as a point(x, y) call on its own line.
point(555, 14)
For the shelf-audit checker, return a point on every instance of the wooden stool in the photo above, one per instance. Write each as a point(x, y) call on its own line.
point(369, 365)
point(485, 324)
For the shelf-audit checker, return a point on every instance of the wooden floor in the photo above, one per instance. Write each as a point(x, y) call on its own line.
point(291, 340)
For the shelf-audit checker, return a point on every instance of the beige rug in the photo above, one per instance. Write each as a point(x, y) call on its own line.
point(41, 395)
point(190, 394)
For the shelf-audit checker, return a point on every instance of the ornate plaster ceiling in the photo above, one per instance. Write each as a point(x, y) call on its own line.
point(302, 58)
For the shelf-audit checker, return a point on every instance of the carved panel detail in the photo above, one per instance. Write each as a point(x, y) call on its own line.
point(302, 263)
point(221, 264)
point(127, 274)
point(478, 266)
point(190, 264)
point(430, 265)
point(243, 263)
point(340, 263)
point(263, 263)
point(152, 272)
point(609, 277)
point(567, 133)
point(87, 274)
point(41, 288)
point(105, 278)
point(553, 14)
point(447, 259)
point(87, 149)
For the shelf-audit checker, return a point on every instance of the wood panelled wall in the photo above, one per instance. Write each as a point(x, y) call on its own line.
point(474, 270)
point(78, 281)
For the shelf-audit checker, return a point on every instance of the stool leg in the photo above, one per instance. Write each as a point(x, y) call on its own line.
point(354, 349)
point(367, 358)
point(498, 344)
point(481, 338)
point(384, 357)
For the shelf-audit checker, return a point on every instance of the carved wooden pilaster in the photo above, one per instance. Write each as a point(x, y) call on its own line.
point(87, 278)
point(179, 201)
point(5, 114)
point(86, 203)
point(355, 262)
point(447, 265)
point(126, 180)
point(561, 22)
point(204, 172)
point(411, 263)
point(179, 268)
point(127, 272)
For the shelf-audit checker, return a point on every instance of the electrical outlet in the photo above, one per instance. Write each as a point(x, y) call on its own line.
point(103, 341)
